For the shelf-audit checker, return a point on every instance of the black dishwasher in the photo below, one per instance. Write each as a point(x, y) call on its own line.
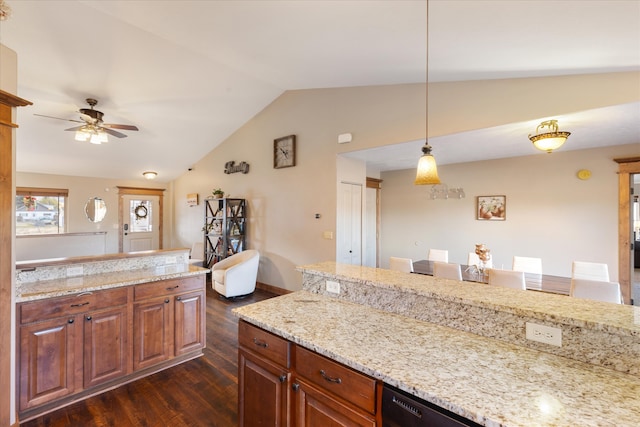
point(401, 409)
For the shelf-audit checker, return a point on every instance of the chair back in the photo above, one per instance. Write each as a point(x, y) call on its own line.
point(596, 290)
point(590, 271)
point(507, 279)
point(474, 259)
point(401, 264)
point(196, 255)
point(438, 255)
point(447, 271)
point(527, 264)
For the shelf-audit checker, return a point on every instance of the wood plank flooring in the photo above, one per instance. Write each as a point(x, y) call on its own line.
point(201, 392)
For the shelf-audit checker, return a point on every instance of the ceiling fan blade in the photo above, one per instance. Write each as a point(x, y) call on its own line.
point(76, 128)
point(114, 126)
point(114, 133)
point(58, 118)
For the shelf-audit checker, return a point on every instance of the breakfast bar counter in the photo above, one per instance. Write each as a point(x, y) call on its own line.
point(491, 382)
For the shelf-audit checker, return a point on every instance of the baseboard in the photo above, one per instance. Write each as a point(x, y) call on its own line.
point(273, 289)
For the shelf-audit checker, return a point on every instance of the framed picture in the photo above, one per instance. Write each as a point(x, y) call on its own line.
point(284, 152)
point(491, 208)
point(192, 199)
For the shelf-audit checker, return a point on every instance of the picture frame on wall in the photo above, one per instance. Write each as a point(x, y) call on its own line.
point(491, 208)
point(192, 199)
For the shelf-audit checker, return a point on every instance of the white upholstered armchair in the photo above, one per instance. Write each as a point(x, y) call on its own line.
point(236, 275)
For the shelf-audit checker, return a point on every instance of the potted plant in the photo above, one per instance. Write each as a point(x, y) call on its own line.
point(218, 193)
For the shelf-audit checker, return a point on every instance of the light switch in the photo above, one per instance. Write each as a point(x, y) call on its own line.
point(327, 235)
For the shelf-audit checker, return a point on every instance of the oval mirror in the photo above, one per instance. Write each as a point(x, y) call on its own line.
point(95, 209)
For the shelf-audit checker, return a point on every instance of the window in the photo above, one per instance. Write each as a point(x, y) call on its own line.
point(40, 210)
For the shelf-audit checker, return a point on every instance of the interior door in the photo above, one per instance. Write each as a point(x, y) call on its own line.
point(349, 227)
point(140, 223)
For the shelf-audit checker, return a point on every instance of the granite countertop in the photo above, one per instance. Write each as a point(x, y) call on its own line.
point(488, 381)
point(72, 285)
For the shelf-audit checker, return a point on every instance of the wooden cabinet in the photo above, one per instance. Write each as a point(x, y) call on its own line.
point(169, 320)
point(263, 378)
point(69, 343)
point(75, 346)
point(311, 391)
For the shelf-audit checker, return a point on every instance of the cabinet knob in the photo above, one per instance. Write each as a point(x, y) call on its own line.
point(179, 298)
point(70, 321)
point(283, 378)
point(88, 318)
point(166, 301)
point(295, 386)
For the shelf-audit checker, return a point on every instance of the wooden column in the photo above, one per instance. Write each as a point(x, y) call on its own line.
point(626, 168)
point(7, 217)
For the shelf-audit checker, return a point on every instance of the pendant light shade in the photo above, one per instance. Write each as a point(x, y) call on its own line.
point(550, 140)
point(427, 173)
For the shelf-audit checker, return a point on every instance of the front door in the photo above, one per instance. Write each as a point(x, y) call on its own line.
point(140, 223)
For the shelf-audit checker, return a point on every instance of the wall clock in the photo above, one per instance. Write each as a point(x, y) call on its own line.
point(284, 152)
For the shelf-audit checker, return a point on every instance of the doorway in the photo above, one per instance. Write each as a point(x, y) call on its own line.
point(628, 168)
point(141, 219)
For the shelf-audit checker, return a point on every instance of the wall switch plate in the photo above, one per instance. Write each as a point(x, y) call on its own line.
point(333, 287)
point(544, 334)
point(327, 235)
point(75, 271)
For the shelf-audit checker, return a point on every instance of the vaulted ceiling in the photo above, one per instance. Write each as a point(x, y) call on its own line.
point(190, 73)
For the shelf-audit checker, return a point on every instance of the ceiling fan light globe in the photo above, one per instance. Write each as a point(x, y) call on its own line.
point(81, 136)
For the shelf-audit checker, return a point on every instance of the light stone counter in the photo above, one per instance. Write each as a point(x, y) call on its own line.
point(491, 382)
point(41, 289)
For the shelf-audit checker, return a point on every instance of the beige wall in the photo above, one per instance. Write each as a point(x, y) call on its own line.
point(283, 202)
point(82, 188)
point(551, 213)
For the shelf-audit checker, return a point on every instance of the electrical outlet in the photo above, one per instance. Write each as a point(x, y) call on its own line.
point(333, 287)
point(75, 271)
point(544, 334)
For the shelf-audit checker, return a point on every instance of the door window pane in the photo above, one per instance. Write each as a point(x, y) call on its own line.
point(140, 216)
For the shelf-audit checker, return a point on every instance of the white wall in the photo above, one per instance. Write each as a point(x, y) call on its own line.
point(551, 213)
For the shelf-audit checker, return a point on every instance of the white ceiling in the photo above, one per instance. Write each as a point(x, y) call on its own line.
point(190, 73)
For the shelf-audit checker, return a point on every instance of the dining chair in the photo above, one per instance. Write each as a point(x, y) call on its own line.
point(596, 290)
point(474, 259)
point(401, 264)
point(590, 271)
point(507, 278)
point(527, 264)
point(438, 255)
point(447, 271)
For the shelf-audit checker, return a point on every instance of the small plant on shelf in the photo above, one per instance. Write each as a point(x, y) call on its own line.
point(218, 193)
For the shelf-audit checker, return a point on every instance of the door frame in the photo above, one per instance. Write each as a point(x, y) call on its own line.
point(626, 167)
point(140, 191)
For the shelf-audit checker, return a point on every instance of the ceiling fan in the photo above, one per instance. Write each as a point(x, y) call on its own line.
point(93, 129)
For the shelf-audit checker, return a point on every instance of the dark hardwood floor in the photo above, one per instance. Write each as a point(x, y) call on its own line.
point(201, 392)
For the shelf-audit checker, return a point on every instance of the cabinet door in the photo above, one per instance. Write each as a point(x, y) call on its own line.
point(263, 392)
point(315, 408)
point(152, 332)
point(189, 322)
point(47, 355)
point(105, 346)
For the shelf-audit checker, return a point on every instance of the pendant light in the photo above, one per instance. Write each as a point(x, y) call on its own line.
point(427, 172)
point(550, 140)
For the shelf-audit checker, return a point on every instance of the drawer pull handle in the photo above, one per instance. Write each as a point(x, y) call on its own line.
point(283, 378)
point(324, 375)
point(70, 321)
point(260, 343)
point(80, 305)
point(170, 288)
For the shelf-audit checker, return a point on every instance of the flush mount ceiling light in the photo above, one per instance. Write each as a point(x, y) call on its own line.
point(427, 172)
point(150, 174)
point(550, 140)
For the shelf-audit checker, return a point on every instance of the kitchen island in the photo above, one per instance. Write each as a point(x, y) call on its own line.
point(89, 324)
point(487, 380)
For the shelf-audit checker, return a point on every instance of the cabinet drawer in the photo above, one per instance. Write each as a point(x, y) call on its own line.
point(68, 306)
point(337, 379)
point(264, 343)
point(168, 287)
